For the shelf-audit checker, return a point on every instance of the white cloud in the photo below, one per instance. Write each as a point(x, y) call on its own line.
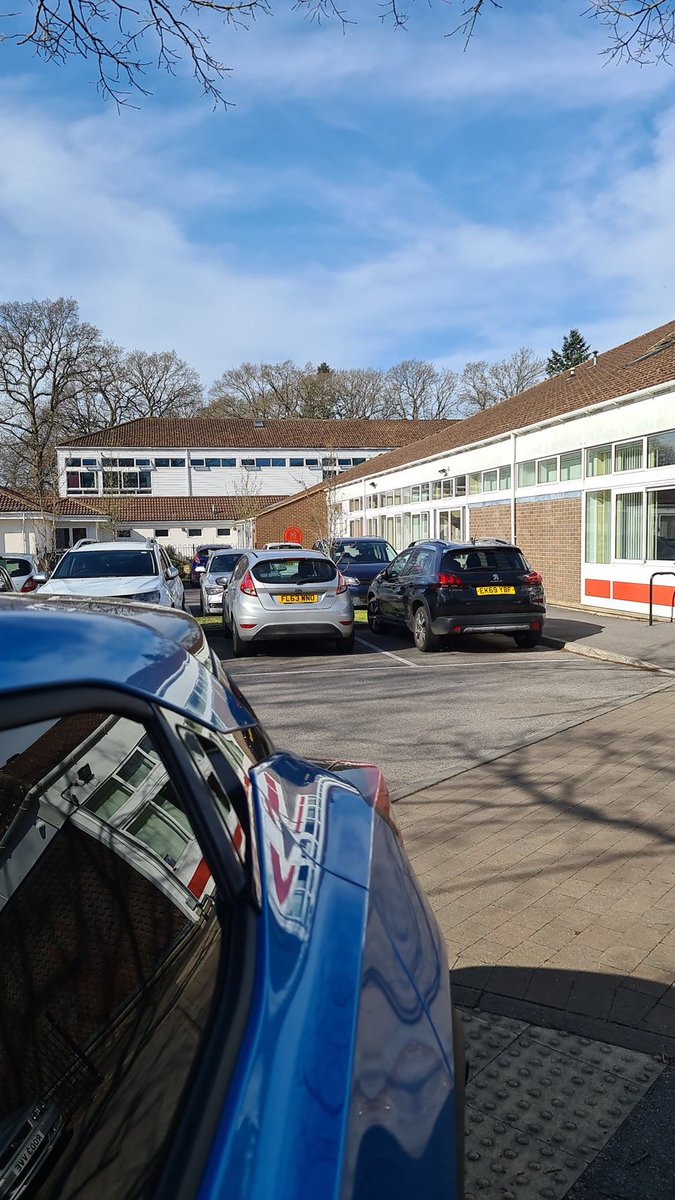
point(116, 212)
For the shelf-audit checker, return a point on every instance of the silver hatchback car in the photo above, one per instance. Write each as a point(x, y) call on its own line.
point(277, 594)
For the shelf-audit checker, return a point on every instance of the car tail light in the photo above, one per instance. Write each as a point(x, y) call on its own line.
point(196, 560)
point(451, 581)
point(342, 583)
point(247, 585)
point(29, 586)
point(534, 579)
point(536, 626)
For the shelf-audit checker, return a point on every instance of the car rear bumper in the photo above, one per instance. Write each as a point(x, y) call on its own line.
point(213, 604)
point(509, 622)
point(274, 632)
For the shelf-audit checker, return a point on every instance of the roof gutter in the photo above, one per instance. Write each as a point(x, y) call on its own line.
point(560, 419)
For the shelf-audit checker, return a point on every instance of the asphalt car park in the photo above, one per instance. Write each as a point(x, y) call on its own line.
point(423, 717)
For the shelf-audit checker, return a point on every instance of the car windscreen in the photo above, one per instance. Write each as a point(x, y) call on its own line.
point(223, 562)
point(485, 558)
point(16, 566)
point(294, 570)
point(98, 564)
point(363, 552)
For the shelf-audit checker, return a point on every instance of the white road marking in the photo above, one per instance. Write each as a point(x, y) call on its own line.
point(389, 653)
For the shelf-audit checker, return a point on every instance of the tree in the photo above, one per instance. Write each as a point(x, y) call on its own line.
point(160, 385)
point(575, 350)
point(45, 354)
point(419, 390)
point(123, 40)
point(483, 384)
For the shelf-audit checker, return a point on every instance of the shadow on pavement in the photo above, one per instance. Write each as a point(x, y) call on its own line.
point(569, 630)
point(625, 1010)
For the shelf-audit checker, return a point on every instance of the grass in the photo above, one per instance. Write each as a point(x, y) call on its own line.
point(210, 624)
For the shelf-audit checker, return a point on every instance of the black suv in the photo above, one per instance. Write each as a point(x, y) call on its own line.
point(441, 588)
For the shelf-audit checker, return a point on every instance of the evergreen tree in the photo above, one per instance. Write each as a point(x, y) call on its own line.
point(575, 350)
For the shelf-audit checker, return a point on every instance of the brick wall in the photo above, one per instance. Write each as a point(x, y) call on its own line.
point(491, 520)
point(306, 513)
point(549, 534)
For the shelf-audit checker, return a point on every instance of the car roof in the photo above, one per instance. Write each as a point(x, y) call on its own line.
point(48, 643)
point(107, 546)
point(267, 554)
point(481, 543)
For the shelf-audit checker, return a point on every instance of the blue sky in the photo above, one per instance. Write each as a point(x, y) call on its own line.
point(370, 197)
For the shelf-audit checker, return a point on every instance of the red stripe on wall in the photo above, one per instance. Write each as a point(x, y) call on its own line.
point(597, 587)
point(638, 593)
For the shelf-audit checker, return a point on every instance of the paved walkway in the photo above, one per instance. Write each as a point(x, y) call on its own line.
point(618, 639)
point(552, 874)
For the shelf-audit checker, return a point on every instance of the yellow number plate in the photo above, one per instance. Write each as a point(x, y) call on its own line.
point(298, 598)
point(495, 591)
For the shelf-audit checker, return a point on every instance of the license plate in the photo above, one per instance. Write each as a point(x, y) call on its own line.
point(495, 591)
point(28, 1153)
point(299, 598)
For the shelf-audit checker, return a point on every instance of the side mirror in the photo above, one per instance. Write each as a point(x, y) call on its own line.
point(223, 581)
point(171, 573)
point(40, 577)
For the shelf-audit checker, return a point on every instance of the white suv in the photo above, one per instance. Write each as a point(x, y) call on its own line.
point(137, 571)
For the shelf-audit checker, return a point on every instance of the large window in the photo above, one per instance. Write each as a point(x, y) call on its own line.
point(136, 480)
point(661, 524)
point(547, 470)
point(598, 526)
point(628, 525)
point(599, 460)
point(661, 449)
point(475, 483)
point(527, 474)
point(490, 481)
point(628, 456)
point(450, 525)
point(570, 466)
point(80, 481)
point(504, 478)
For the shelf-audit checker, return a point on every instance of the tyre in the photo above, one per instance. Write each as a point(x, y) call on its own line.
point(425, 640)
point(240, 649)
point(345, 645)
point(375, 622)
point(201, 607)
point(227, 632)
point(527, 641)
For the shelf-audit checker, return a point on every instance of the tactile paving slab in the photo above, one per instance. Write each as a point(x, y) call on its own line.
point(541, 1104)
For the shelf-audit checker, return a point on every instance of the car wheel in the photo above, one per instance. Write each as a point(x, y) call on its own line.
point(201, 607)
point(345, 645)
point(527, 641)
point(240, 649)
point(375, 622)
point(425, 640)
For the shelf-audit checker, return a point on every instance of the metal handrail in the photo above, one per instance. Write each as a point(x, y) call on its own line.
point(652, 577)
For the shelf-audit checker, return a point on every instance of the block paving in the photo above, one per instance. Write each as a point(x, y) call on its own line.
point(551, 871)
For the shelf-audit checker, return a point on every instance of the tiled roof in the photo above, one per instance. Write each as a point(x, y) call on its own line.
point(644, 362)
point(159, 509)
point(210, 433)
point(12, 501)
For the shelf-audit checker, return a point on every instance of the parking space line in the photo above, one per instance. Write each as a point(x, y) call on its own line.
point(389, 653)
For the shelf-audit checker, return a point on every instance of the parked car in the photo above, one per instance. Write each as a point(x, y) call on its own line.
point(436, 589)
point(130, 571)
point(6, 584)
point(282, 546)
point(360, 559)
point(219, 567)
point(26, 1138)
point(23, 568)
point(217, 962)
point(199, 560)
point(279, 594)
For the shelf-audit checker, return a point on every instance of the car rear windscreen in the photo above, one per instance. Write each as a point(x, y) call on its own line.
point(16, 566)
point(223, 562)
point(104, 564)
point(485, 559)
point(293, 571)
point(363, 552)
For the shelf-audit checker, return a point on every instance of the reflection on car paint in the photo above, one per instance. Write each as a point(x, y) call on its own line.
point(93, 1020)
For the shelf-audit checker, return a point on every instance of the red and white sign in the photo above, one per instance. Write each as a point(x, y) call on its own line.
point(292, 534)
